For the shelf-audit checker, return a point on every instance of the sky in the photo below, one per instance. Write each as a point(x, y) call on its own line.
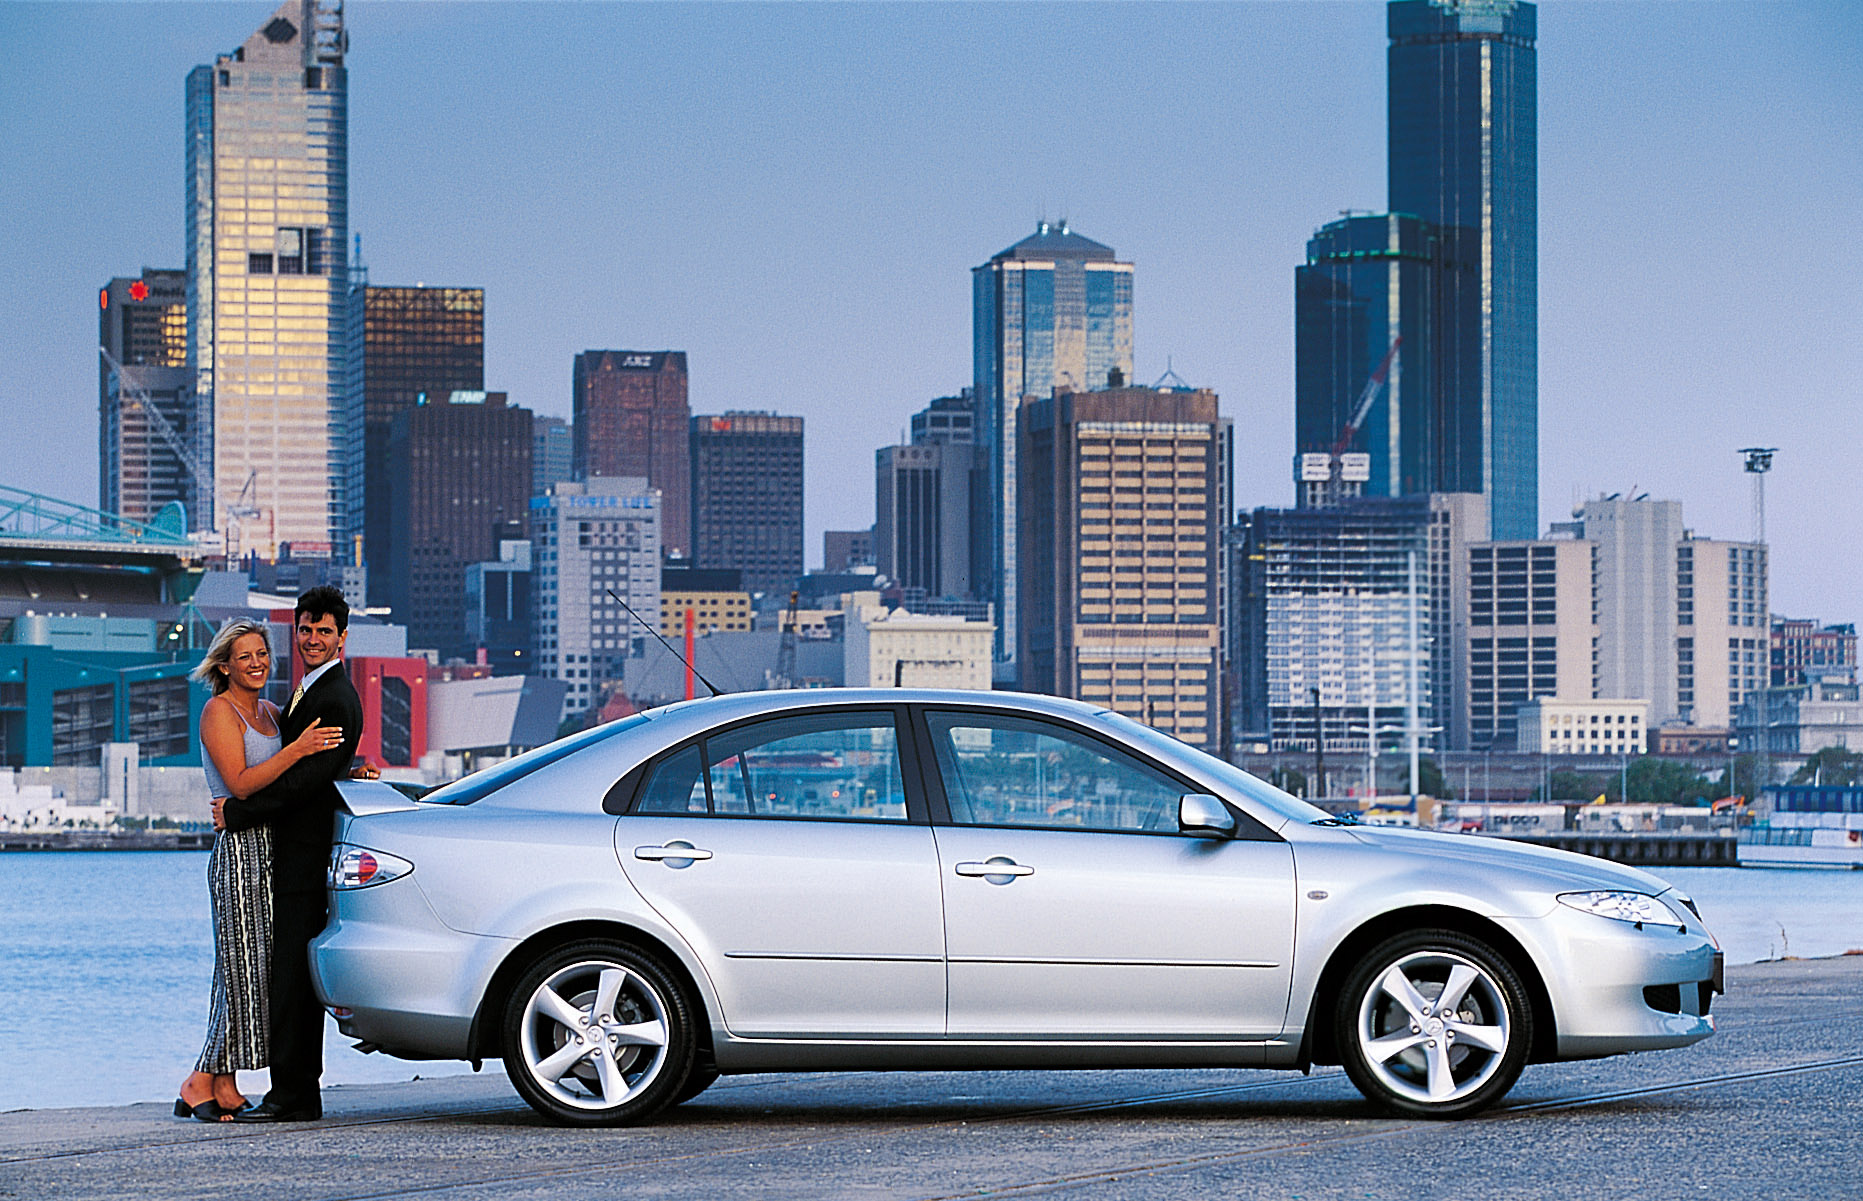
point(794, 194)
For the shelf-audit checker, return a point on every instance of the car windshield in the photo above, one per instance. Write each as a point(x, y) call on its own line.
point(467, 789)
point(1230, 776)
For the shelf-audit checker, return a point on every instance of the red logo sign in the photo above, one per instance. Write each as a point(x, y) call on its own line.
point(139, 291)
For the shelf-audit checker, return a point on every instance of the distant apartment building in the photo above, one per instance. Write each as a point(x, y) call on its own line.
point(845, 550)
point(1723, 631)
point(409, 347)
point(1531, 632)
point(1335, 613)
point(142, 323)
point(946, 419)
point(1583, 727)
point(498, 606)
point(1121, 495)
point(716, 599)
point(895, 648)
point(746, 500)
point(1622, 603)
point(463, 474)
point(631, 418)
point(1791, 724)
point(552, 453)
point(1804, 651)
point(595, 553)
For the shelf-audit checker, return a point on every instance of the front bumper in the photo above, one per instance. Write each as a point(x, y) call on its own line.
point(1602, 976)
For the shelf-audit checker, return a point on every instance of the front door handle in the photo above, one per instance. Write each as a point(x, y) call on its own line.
point(678, 853)
point(998, 869)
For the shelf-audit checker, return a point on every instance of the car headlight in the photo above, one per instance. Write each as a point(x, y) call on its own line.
point(359, 867)
point(1622, 906)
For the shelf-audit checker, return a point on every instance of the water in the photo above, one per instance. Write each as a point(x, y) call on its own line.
point(105, 959)
point(105, 963)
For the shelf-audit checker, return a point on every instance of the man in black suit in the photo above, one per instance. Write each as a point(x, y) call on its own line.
point(301, 806)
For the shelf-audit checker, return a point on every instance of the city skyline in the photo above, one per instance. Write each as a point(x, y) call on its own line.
point(851, 218)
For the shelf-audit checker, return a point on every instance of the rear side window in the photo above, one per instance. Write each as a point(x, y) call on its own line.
point(826, 765)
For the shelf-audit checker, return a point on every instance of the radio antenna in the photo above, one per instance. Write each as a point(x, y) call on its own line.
point(716, 691)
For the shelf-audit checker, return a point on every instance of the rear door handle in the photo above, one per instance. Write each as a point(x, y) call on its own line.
point(677, 853)
point(998, 869)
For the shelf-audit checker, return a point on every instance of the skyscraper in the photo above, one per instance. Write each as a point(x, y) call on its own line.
point(1124, 491)
point(267, 222)
point(1370, 283)
point(1052, 311)
point(747, 497)
point(630, 418)
point(142, 323)
point(1463, 130)
point(462, 474)
point(418, 345)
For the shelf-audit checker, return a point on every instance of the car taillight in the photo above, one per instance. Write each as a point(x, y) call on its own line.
point(359, 867)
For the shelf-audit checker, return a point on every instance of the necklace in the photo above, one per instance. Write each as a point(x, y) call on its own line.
point(251, 719)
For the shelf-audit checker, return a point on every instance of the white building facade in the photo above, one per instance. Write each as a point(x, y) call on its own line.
point(595, 554)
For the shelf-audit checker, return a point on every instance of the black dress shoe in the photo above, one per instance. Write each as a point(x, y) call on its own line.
point(272, 1111)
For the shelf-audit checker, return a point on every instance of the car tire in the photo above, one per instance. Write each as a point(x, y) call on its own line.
point(598, 1034)
point(1433, 1024)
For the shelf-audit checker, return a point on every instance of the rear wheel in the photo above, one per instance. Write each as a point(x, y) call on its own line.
point(1434, 1023)
point(598, 1034)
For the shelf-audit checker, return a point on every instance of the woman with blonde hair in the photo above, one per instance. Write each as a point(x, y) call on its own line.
point(242, 751)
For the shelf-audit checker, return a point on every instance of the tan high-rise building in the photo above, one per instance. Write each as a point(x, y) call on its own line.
point(1122, 495)
point(268, 280)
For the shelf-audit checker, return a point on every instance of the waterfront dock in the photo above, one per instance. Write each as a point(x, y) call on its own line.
point(1769, 1106)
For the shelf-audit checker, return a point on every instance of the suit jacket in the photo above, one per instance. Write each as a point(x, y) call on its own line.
point(301, 804)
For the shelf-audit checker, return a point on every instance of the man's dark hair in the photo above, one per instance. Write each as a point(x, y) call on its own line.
point(324, 601)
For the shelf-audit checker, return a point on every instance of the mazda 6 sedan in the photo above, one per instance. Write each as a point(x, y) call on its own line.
point(888, 878)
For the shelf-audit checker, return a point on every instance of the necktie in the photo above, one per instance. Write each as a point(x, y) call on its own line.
point(295, 698)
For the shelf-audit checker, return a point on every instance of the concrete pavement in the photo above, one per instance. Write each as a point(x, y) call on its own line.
point(1771, 1106)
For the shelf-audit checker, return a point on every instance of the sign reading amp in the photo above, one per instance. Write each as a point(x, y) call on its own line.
point(637, 360)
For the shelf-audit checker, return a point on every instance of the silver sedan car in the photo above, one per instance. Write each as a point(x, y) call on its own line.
point(871, 879)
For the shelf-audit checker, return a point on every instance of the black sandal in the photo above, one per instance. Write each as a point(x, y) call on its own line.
point(207, 1111)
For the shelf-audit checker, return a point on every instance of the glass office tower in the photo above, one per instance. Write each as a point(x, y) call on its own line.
point(1464, 156)
point(1052, 311)
point(267, 219)
point(1367, 282)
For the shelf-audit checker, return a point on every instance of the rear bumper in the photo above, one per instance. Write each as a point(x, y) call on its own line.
point(410, 985)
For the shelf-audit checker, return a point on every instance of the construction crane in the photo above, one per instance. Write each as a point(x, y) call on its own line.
point(786, 646)
point(241, 509)
point(1323, 475)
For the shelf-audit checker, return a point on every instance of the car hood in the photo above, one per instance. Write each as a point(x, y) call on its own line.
point(1561, 871)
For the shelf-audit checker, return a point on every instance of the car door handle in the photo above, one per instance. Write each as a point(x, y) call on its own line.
point(999, 865)
point(675, 853)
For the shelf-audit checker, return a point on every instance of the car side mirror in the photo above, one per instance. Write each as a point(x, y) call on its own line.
point(1204, 816)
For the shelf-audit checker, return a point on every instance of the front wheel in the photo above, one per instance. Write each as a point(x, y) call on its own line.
point(598, 1034)
point(1435, 1024)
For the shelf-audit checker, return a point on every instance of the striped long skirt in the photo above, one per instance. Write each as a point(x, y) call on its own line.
point(239, 880)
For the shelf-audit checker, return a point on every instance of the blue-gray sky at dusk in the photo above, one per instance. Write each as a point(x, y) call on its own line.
point(794, 194)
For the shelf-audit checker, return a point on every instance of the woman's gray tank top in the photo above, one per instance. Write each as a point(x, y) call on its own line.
point(259, 748)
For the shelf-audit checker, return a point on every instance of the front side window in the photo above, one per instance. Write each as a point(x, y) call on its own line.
point(1001, 770)
point(829, 765)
